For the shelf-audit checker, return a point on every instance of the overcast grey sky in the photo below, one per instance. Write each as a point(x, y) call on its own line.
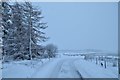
point(81, 25)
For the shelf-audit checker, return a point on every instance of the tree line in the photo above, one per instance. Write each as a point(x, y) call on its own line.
point(23, 32)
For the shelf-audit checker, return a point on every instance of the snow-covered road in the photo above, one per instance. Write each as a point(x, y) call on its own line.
point(66, 69)
point(59, 68)
point(63, 67)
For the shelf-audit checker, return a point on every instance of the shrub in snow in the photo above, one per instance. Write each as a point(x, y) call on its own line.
point(51, 50)
point(114, 64)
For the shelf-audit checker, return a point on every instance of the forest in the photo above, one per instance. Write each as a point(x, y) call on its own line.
point(22, 28)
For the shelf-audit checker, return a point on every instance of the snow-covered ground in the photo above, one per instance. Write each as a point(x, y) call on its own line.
point(91, 70)
point(60, 67)
point(22, 69)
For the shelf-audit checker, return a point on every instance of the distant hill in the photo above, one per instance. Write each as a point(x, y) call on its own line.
point(89, 51)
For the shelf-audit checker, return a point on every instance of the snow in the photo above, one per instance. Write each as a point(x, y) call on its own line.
point(91, 70)
point(46, 70)
point(68, 70)
point(60, 67)
point(17, 71)
point(24, 69)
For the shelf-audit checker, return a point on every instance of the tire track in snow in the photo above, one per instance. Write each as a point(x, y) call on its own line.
point(66, 64)
point(75, 69)
point(66, 69)
point(57, 68)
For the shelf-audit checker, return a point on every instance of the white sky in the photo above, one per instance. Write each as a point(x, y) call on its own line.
point(81, 25)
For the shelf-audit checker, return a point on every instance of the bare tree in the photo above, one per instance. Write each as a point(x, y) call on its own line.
point(51, 50)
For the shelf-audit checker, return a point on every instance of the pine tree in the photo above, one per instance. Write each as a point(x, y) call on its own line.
point(1, 28)
point(19, 37)
point(7, 24)
point(22, 30)
point(35, 25)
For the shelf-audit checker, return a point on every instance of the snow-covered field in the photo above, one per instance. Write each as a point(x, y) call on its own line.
point(60, 67)
point(91, 70)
